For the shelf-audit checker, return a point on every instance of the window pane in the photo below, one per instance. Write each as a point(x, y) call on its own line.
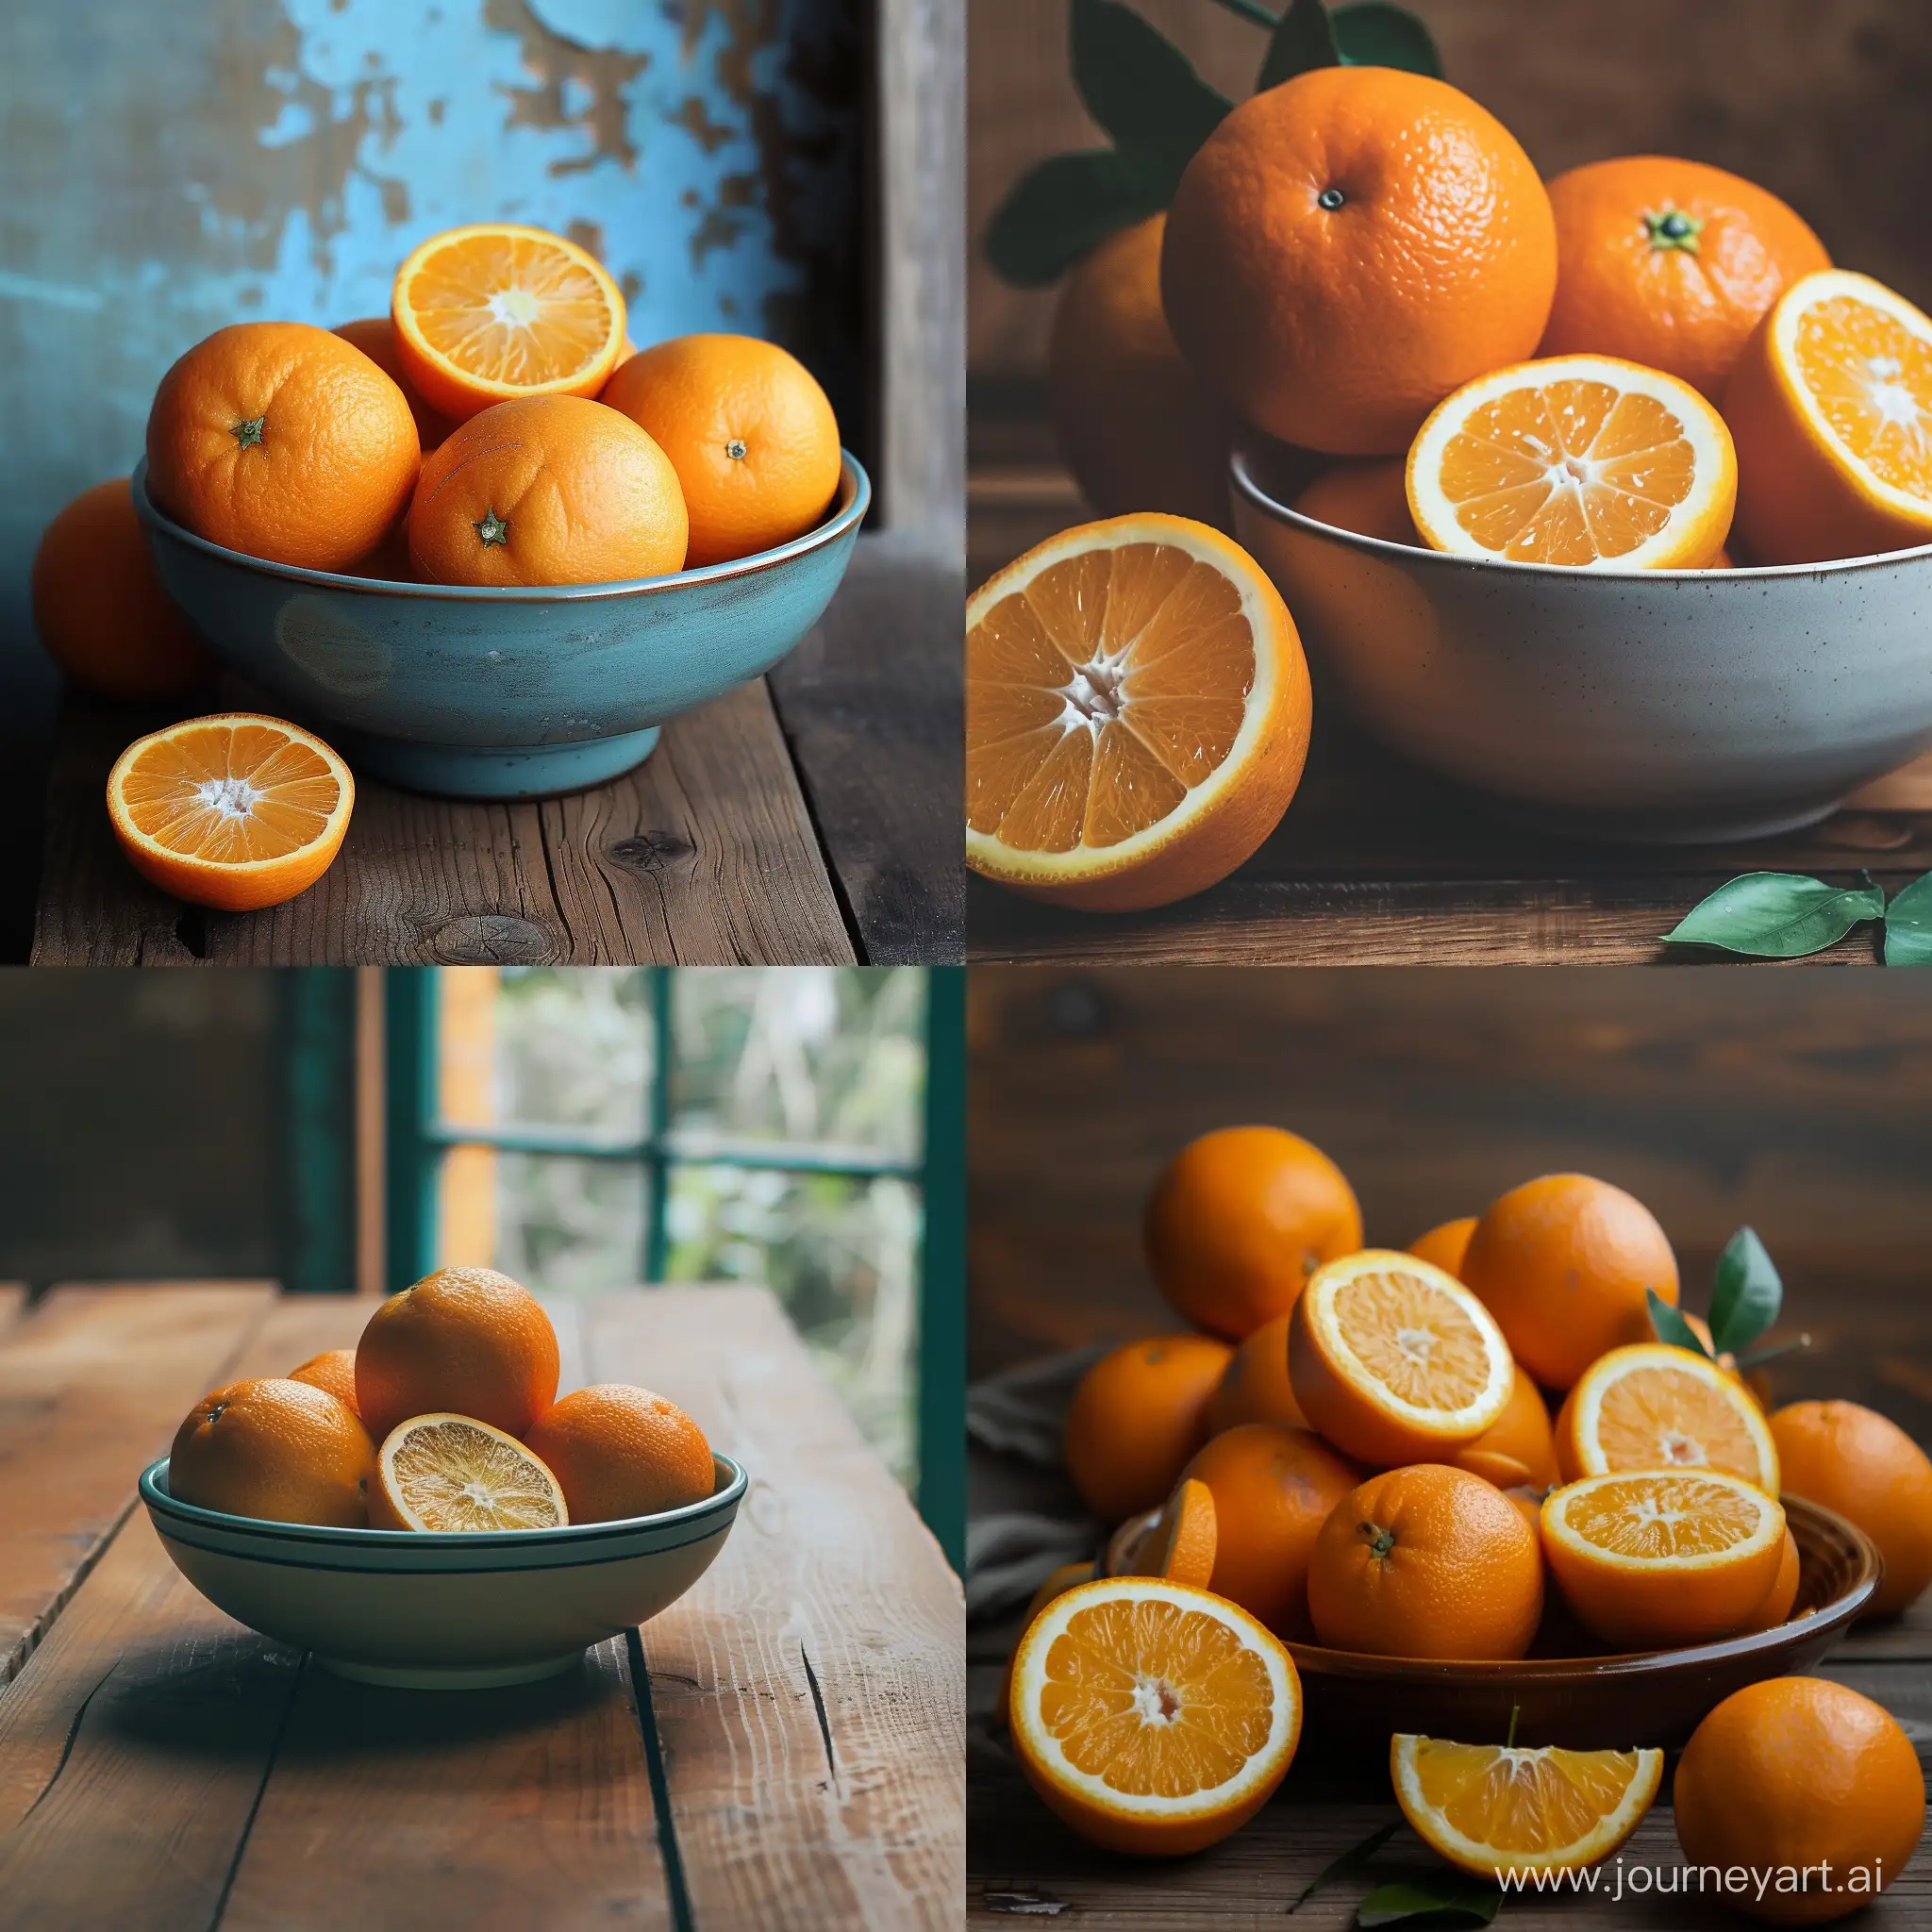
point(566, 1226)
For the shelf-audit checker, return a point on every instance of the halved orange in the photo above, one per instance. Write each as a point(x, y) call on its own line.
point(1151, 1715)
point(1181, 1545)
point(1500, 1807)
point(1056, 1582)
point(454, 1473)
point(1584, 460)
point(1395, 1361)
point(494, 312)
point(1653, 1405)
point(1136, 714)
point(236, 811)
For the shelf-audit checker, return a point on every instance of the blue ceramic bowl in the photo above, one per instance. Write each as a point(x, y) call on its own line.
point(443, 1612)
point(488, 693)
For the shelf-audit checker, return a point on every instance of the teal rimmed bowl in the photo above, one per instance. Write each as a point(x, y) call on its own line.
point(502, 693)
point(443, 1611)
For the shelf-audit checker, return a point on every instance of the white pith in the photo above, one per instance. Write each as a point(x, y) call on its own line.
point(1604, 1374)
point(1770, 1524)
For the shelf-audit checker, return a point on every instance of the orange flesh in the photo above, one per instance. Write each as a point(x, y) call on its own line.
point(1654, 1518)
point(1627, 454)
point(454, 1476)
point(1873, 379)
point(1522, 1801)
point(1101, 694)
point(1415, 1341)
point(509, 310)
point(1155, 1700)
point(230, 795)
point(1663, 1419)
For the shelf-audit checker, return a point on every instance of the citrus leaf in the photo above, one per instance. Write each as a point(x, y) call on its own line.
point(1777, 915)
point(1373, 34)
point(1908, 925)
point(1453, 1894)
point(1303, 37)
point(1747, 1295)
point(1350, 1861)
point(1070, 204)
point(1671, 1326)
point(1136, 83)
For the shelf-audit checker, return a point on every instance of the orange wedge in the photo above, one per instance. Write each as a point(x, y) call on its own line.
point(1498, 1807)
point(1831, 406)
point(1395, 1361)
point(493, 311)
point(236, 811)
point(1136, 714)
point(1152, 1717)
point(1652, 1406)
point(453, 1472)
point(1180, 1546)
point(1582, 460)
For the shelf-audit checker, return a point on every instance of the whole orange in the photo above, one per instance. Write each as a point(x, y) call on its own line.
point(1445, 1244)
point(1522, 1435)
point(1368, 495)
point(1255, 1387)
point(462, 1340)
point(1240, 1219)
point(620, 1451)
point(1670, 263)
point(547, 490)
point(333, 1370)
point(375, 335)
point(1135, 1419)
point(283, 441)
point(1273, 1490)
point(1427, 1561)
point(1793, 1774)
point(749, 431)
point(1860, 1463)
point(277, 1449)
point(1564, 1263)
point(1347, 249)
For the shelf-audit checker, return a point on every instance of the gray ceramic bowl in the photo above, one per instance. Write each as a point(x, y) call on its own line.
point(1660, 706)
point(487, 693)
point(443, 1612)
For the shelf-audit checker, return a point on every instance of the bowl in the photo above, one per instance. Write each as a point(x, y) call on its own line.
point(501, 693)
point(1648, 706)
point(443, 1611)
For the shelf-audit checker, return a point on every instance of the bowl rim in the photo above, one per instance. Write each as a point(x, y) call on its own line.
point(1244, 483)
point(849, 506)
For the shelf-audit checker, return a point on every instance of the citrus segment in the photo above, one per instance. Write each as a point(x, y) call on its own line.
point(1653, 1405)
point(453, 1472)
point(1180, 1546)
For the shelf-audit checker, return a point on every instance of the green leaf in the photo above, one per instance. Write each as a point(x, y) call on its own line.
point(1747, 1295)
point(1373, 34)
point(1067, 206)
point(1350, 1861)
point(1671, 1327)
point(1303, 37)
point(1777, 915)
point(1457, 1895)
point(1137, 84)
point(1908, 925)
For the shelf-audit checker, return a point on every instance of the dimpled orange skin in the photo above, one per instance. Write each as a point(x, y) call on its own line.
point(1563, 1263)
point(1522, 1433)
point(1255, 1387)
point(277, 1449)
point(1136, 1417)
point(1445, 1244)
point(619, 1451)
point(333, 1370)
point(283, 441)
point(1782, 1594)
point(1341, 329)
point(462, 1342)
point(1427, 1561)
point(375, 335)
point(1797, 1771)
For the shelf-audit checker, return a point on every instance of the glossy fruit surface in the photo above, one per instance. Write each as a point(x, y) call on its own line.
point(1255, 1387)
point(333, 1370)
point(277, 1449)
point(1136, 1417)
point(620, 1451)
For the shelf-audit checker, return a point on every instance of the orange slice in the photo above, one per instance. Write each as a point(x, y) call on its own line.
point(1651, 1559)
point(453, 1472)
point(1582, 460)
point(1653, 1405)
point(236, 811)
point(492, 311)
point(1056, 1582)
point(1180, 1546)
point(1136, 714)
point(1395, 1361)
point(1152, 1717)
point(1498, 1807)
point(1123, 1551)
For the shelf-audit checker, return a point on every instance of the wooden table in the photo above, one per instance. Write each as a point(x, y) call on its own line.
point(811, 816)
point(782, 1748)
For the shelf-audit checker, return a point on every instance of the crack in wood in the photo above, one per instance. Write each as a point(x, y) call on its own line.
point(67, 1745)
point(818, 1704)
point(274, 1752)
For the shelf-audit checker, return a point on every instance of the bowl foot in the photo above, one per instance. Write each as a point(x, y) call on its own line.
point(1665, 824)
point(524, 771)
point(424, 1677)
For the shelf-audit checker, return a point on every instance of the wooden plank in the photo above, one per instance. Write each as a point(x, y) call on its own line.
point(810, 1692)
point(13, 1303)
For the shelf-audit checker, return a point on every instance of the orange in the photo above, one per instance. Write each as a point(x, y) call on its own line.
point(235, 811)
point(1670, 263)
point(277, 1449)
point(451, 1473)
point(1494, 1807)
point(1521, 1435)
point(1181, 1545)
point(1859, 1463)
point(1057, 1584)
point(1396, 1361)
point(1151, 1717)
point(1445, 1244)
point(620, 1451)
point(333, 1370)
point(1830, 406)
point(1273, 1490)
point(1240, 1219)
point(1582, 460)
point(1783, 1593)
point(553, 491)
point(1137, 428)
point(1652, 1406)
point(1794, 1775)
point(748, 430)
point(1346, 249)
point(1255, 1387)
point(1563, 1263)
point(100, 610)
point(494, 312)
point(1654, 1559)
point(1427, 1561)
point(375, 335)
point(467, 1340)
point(1369, 496)
point(283, 441)
point(1136, 714)
point(1136, 1417)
